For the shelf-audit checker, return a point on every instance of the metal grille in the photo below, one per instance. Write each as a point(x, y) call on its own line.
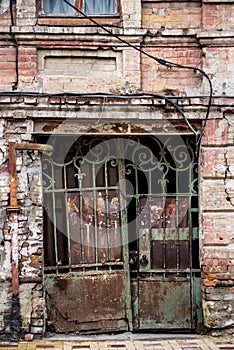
point(82, 211)
point(89, 211)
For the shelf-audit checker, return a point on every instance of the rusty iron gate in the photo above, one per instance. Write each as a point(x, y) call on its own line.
point(121, 234)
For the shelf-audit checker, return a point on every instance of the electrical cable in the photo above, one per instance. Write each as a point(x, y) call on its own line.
point(23, 93)
point(160, 61)
point(105, 97)
point(15, 85)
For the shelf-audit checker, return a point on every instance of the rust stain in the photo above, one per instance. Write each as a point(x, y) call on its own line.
point(12, 170)
point(99, 298)
point(63, 283)
point(51, 126)
point(119, 128)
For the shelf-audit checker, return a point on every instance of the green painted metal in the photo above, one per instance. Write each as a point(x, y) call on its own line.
point(148, 231)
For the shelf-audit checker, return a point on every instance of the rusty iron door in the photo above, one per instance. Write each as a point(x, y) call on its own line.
point(121, 234)
point(164, 258)
point(87, 282)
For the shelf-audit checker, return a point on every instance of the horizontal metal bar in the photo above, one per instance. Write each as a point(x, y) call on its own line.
point(158, 271)
point(82, 189)
point(61, 267)
point(34, 147)
point(138, 196)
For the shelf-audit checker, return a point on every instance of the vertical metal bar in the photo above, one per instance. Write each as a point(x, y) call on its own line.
point(107, 210)
point(13, 210)
point(54, 218)
point(124, 231)
point(177, 224)
point(164, 229)
point(15, 306)
point(80, 177)
point(67, 218)
point(95, 214)
point(13, 181)
point(190, 247)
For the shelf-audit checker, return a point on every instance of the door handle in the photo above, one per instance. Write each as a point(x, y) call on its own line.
point(144, 260)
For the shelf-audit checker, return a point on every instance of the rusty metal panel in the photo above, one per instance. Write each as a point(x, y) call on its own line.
point(164, 304)
point(135, 303)
point(94, 301)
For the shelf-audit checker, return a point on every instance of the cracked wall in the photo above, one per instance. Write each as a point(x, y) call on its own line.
point(217, 193)
point(30, 233)
point(197, 33)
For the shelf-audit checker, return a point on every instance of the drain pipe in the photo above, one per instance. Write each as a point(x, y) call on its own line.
point(13, 209)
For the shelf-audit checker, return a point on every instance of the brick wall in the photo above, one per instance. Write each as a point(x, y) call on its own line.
point(29, 231)
point(217, 201)
point(196, 33)
point(218, 16)
point(158, 78)
point(171, 15)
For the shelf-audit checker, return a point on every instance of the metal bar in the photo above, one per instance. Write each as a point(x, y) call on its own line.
point(49, 268)
point(124, 231)
point(70, 190)
point(81, 218)
point(177, 223)
point(13, 181)
point(95, 212)
point(54, 220)
point(190, 225)
point(13, 209)
point(15, 307)
point(107, 210)
point(34, 147)
point(12, 167)
point(67, 216)
point(159, 195)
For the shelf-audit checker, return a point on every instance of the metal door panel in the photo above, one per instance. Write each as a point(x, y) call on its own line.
point(164, 304)
point(90, 301)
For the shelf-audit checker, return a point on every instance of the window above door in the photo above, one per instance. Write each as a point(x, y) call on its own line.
point(49, 10)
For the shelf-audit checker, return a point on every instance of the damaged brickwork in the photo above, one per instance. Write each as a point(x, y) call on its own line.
point(217, 219)
point(45, 55)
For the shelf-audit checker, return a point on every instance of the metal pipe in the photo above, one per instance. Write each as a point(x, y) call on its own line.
point(12, 167)
point(13, 184)
point(34, 147)
point(13, 210)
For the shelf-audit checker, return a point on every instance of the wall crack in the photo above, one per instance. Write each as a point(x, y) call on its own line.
point(228, 181)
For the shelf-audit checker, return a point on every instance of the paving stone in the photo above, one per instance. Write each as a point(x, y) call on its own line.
point(200, 343)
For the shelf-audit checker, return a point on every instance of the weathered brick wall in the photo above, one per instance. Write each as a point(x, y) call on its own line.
point(5, 242)
point(218, 63)
point(7, 64)
point(197, 33)
point(217, 208)
point(171, 15)
point(109, 67)
point(158, 78)
point(218, 15)
point(29, 229)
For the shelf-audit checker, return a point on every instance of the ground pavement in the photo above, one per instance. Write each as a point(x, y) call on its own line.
point(170, 342)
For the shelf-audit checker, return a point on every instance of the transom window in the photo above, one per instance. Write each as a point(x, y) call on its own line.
point(90, 7)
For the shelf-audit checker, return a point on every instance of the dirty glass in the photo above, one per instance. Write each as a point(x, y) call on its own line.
point(57, 7)
point(100, 7)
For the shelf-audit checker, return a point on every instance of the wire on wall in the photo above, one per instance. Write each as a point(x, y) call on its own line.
point(162, 62)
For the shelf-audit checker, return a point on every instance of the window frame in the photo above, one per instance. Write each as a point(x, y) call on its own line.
point(76, 19)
